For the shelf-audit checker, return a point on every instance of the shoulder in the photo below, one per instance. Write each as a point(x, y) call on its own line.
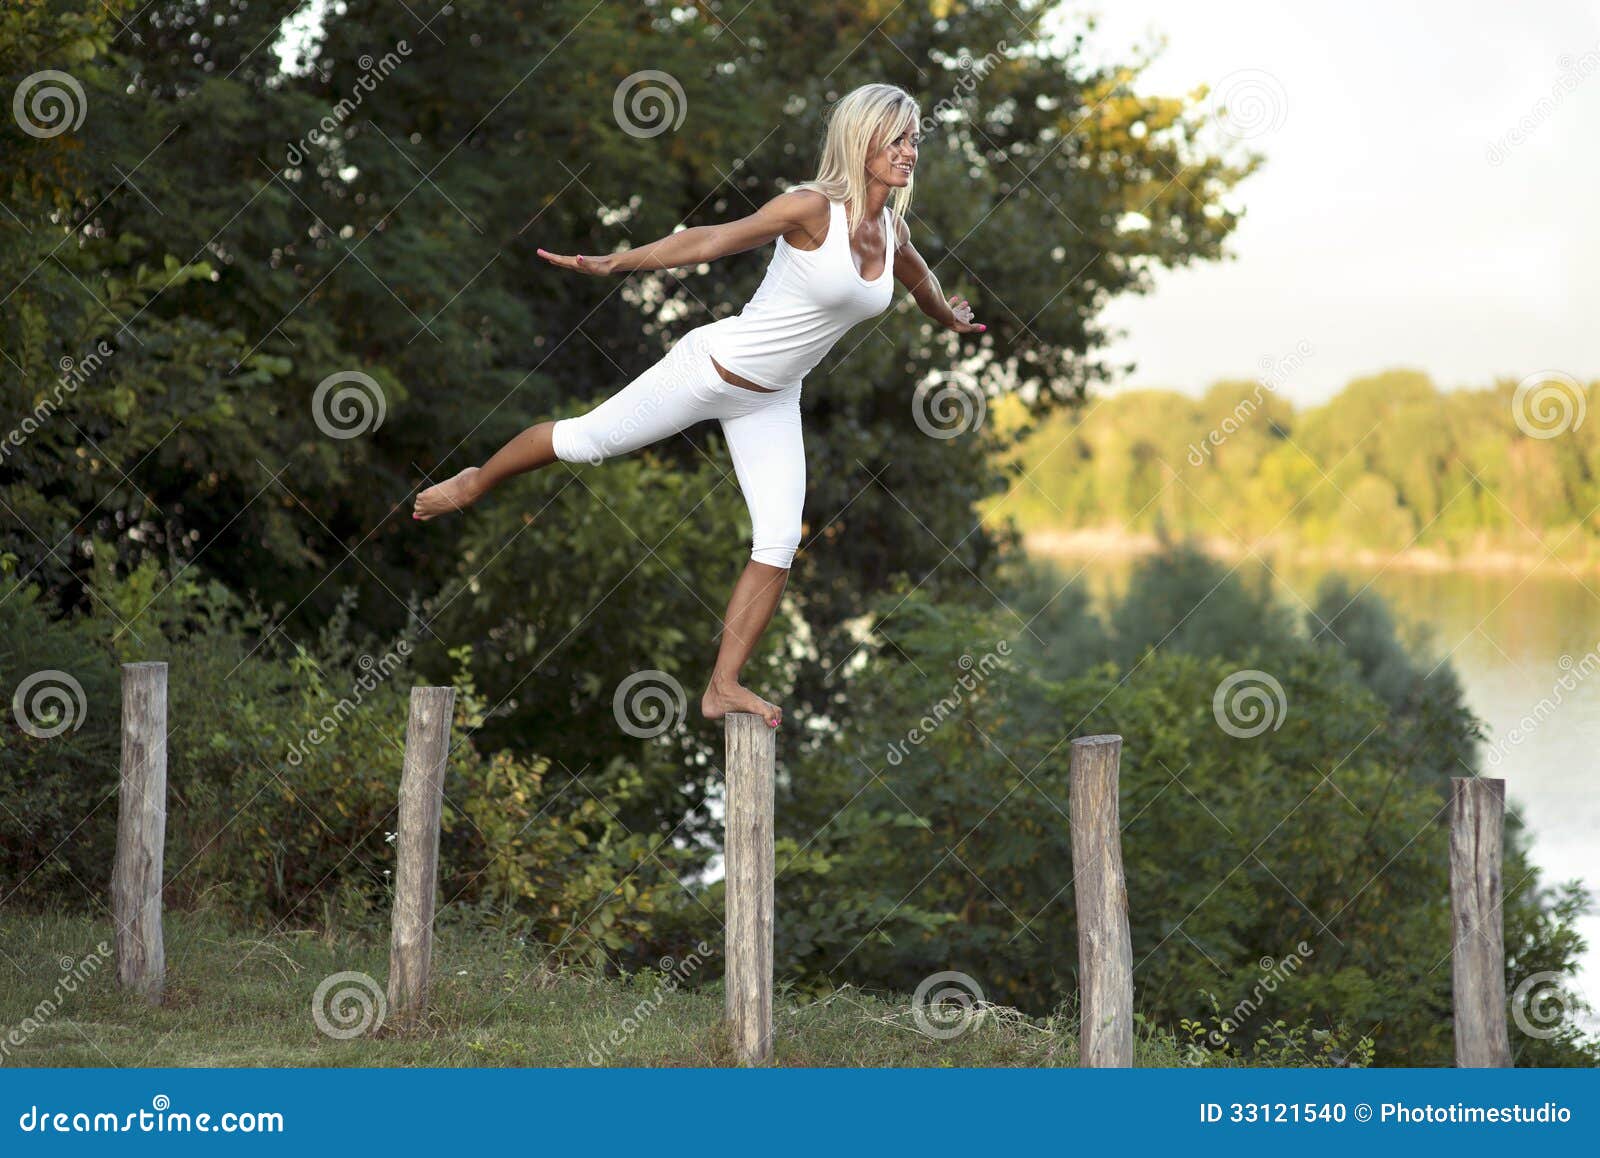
point(902, 232)
point(801, 216)
point(801, 206)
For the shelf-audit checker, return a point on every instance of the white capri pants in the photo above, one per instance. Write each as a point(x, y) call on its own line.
point(762, 429)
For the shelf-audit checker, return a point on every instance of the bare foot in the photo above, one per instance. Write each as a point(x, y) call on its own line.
point(454, 494)
point(722, 698)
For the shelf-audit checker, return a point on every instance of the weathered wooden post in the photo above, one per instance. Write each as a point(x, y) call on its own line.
point(1477, 819)
point(416, 874)
point(752, 747)
point(141, 830)
point(1105, 947)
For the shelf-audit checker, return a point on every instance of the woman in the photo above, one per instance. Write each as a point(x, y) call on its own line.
point(837, 243)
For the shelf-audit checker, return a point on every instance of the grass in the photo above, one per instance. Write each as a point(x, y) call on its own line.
point(235, 997)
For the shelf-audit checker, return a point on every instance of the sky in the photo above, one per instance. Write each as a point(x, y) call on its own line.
point(1381, 231)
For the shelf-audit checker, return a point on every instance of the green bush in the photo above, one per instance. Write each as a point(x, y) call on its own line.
point(58, 809)
point(284, 760)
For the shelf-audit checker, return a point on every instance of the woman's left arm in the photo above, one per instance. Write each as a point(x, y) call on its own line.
point(911, 271)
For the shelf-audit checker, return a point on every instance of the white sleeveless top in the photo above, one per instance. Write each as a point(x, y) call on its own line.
point(806, 302)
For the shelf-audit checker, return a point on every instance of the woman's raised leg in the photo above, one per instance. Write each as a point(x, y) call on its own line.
point(527, 451)
point(667, 397)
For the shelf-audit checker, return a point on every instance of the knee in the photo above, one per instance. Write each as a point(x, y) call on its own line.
point(774, 543)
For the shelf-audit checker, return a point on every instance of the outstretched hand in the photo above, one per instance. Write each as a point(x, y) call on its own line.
point(599, 266)
point(963, 316)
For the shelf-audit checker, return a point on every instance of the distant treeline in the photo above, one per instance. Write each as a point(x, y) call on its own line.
point(1391, 463)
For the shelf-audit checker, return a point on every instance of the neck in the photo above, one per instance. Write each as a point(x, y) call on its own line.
point(877, 197)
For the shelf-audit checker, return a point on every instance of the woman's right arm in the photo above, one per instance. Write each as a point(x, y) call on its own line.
point(800, 209)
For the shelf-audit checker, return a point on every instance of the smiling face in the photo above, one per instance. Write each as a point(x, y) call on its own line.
point(893, 161)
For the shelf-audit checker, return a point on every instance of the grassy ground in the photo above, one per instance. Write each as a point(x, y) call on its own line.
point(234, 998)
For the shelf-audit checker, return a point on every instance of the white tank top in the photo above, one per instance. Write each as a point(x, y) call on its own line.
point(805, 303)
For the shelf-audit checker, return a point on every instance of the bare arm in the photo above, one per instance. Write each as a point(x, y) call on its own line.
point(911, 271)
point(802, 209)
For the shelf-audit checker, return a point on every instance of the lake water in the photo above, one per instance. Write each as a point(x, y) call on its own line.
point(1512, 638)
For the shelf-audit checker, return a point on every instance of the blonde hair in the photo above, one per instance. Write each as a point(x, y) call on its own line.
point(862, 120)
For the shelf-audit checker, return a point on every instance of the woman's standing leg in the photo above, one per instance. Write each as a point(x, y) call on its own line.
point(769, 459)
point(667, 397)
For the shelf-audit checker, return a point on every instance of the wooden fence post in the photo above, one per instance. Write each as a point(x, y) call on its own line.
point(141, 830)
point(1105, 947)
point(416, 875)
point(1477, 819)
point(752, 747)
